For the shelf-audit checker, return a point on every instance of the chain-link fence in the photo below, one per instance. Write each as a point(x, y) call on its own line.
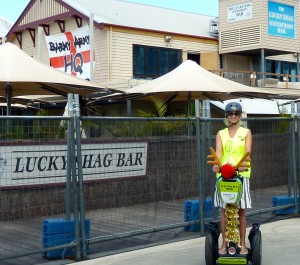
point(123, 182)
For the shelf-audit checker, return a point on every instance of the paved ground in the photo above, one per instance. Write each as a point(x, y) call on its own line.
point(281, 246)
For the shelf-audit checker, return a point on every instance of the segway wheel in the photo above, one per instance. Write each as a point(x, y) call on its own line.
point(257, 251)
point(209, 256)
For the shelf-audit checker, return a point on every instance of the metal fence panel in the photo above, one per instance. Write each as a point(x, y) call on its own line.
point(33, 171)
point(156, 202)
point(151, 170)
point(142, 179)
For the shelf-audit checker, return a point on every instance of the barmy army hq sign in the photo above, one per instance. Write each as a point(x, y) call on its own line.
point(70, 52)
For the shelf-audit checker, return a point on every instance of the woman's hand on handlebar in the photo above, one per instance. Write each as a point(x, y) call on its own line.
point(216, 169)
point(243, 169)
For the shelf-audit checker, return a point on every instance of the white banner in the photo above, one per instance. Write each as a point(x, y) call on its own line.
point(70, 52)
point(46, 164)
point(239, 12)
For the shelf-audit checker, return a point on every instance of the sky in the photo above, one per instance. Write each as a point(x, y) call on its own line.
point(13, 10)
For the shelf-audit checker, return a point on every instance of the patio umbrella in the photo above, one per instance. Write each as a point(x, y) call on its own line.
point(191, 81)
point(21, 74)
point(187, 82)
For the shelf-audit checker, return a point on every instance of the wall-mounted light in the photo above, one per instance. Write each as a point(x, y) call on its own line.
point(168, 38)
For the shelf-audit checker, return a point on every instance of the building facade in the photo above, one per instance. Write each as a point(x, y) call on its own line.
point(134, 43)
point(260, 35)
point(131, 41)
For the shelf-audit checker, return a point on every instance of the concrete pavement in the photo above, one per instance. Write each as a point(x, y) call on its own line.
point(281, 245)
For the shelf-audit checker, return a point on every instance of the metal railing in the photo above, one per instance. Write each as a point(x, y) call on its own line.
point(257, 78)
point(127, 182)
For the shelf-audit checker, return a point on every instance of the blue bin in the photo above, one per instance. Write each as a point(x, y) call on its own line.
point(59, 231)
point(283, 200)
point(191, 213)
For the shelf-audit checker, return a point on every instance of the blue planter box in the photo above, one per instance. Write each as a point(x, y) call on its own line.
point(58, 232)
point(191, 213)
point(283, 200)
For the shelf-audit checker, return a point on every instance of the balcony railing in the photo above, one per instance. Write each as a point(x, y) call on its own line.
point(261, 79)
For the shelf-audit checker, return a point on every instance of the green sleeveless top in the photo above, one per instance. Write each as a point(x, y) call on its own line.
point(233, 149)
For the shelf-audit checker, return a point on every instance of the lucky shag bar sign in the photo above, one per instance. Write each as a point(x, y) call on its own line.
point(46, 164)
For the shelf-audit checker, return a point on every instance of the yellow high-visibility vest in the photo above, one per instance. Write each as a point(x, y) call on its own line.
point(233, 149)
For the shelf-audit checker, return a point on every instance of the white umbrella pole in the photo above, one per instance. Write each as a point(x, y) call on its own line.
point(189, 104)
point(293, 109)
point(128, 107)
point(206, 108)
point(197, 108)
point(8, 98)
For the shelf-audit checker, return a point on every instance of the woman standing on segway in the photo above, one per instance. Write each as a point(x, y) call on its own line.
point(231, 144)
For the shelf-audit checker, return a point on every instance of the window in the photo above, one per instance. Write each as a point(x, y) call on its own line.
point(281, 67)
point(194, 57)
point(270, 68)
point(152, 62)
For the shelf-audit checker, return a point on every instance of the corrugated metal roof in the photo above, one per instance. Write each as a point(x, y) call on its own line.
point(123, 13)
point(5, 26)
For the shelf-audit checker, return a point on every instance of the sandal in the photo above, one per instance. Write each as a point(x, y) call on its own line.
point(223, 251)
point(244, 251)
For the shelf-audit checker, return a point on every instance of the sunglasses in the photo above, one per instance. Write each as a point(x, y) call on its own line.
point(230, 114)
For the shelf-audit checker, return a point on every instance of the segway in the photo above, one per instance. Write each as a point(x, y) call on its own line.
point(229, 188)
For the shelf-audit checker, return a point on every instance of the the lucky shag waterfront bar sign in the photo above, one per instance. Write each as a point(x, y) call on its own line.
point(46, 164)
point(281, 20)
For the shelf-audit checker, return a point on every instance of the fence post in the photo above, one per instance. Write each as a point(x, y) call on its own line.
point(200, 171)
point(298, 187)
point(72, 161)
point(207, 135)
point(80, 176)
point(292, 157)
point(70, 143)
point(292, 153)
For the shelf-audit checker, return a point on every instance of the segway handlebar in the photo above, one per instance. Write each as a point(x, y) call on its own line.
point(228, 170)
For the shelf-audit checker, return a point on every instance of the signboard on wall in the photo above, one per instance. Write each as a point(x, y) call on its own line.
point(47, 164)
point(239, 12)
point(281, 21)
point(70, 52)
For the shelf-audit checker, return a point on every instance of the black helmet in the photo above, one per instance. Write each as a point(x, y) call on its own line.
point(233, 106)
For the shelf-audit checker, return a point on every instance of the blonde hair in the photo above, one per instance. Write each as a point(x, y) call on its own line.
point(227, 123)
